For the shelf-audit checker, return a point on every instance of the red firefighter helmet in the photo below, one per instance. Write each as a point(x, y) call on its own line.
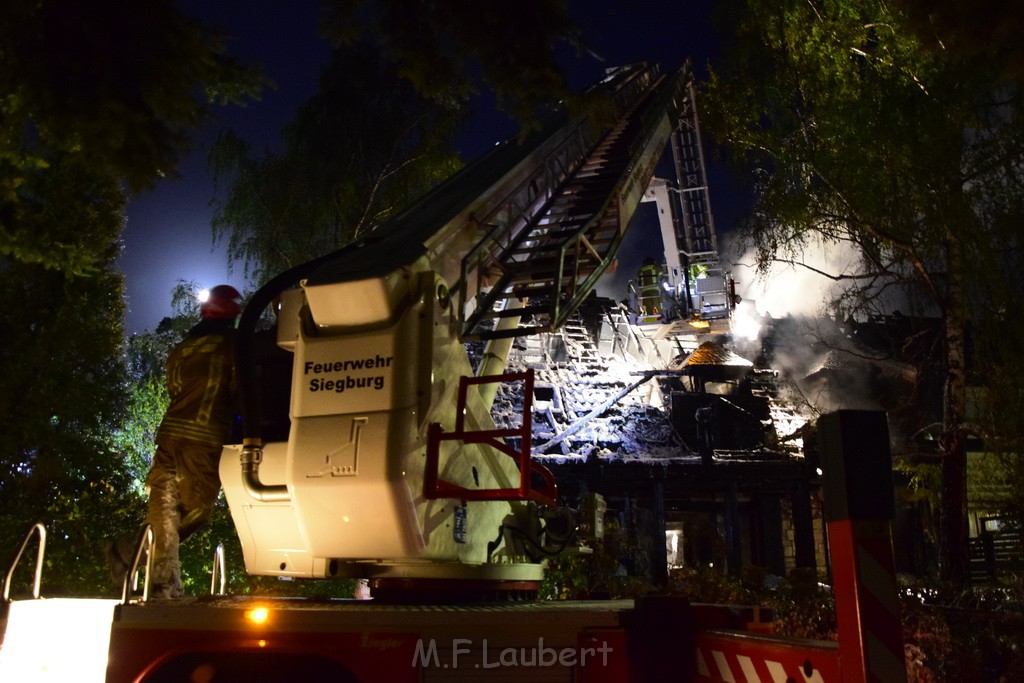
point(223, 301)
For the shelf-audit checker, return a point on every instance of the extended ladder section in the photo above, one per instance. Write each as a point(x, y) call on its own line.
point(703, 291)
point(546, 250)
point(698, 222)
point(524, 232)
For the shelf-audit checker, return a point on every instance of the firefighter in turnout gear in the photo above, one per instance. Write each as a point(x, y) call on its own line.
point(649, 279)
point(183, 481)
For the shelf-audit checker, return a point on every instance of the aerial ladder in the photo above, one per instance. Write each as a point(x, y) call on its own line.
point(690, 292)
point(392, 469)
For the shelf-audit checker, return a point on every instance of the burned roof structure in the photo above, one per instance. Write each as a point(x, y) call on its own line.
point(711, 362)
point(688, 435)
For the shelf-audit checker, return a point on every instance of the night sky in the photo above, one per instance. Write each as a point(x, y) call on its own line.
point(168, 230)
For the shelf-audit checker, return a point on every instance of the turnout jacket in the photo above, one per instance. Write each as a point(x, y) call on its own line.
point(201, 384)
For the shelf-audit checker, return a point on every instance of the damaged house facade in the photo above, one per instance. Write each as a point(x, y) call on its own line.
point(703, 447)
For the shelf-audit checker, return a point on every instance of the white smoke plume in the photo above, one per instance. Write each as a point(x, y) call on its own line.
point(822, 358)
point(792, 289)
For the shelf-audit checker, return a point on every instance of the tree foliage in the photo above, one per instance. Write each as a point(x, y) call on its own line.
point(860, 134)
point(62, 387)
point(360, 150)
point(378, 132)
point(111, 86)
point(96, 100)
point(446, 48)
point(988, 28)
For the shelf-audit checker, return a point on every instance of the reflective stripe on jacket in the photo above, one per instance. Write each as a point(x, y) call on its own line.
point(201, 384)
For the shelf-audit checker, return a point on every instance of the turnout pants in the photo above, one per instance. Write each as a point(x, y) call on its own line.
point(183, 484)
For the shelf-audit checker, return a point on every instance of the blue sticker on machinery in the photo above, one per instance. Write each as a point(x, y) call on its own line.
point(459, 529)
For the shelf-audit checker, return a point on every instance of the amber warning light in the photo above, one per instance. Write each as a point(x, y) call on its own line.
point(257, 615)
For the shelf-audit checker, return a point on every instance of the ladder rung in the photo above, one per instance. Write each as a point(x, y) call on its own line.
point(545, 269)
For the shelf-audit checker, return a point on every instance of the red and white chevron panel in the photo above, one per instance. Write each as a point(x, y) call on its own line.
point(734, 657)
point(867, 611)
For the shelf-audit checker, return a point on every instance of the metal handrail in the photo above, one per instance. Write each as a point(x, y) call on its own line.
point(145, 544)
point(37, 527)
point(434, 487)
point(218, 564)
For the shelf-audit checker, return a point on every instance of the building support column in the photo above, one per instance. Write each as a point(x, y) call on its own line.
point(733, 538)
point(803, 526)
point(659, 550)
point(774, 556)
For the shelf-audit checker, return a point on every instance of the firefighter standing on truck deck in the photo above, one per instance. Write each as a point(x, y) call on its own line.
point(183, 482)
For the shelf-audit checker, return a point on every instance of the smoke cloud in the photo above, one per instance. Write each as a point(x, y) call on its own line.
point(792, 289)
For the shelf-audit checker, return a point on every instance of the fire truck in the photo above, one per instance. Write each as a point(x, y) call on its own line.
point(385, 463)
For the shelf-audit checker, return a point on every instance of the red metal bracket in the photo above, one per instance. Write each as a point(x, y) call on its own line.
point(434, 487)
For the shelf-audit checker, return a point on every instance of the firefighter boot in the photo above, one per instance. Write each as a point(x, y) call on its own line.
point(119, 554)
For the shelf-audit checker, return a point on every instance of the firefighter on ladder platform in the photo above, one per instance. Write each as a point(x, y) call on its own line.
point(648, 292)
